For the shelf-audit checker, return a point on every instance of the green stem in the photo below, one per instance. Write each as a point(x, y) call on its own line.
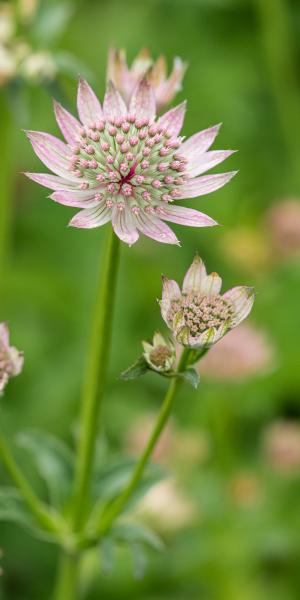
point(48, 521)
point(6, 143)
point(67, 581)
point(281, 61)
point(116, 508)
point(95, 379)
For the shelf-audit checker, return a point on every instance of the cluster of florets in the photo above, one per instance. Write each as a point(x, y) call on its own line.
point(131, 158)
point(200, 312)
point(198, 315)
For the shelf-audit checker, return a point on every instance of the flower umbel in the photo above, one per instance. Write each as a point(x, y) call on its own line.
point(199, 315)
point(160, 355)
point(11, 360)
point(122, 165)
point(126, 79)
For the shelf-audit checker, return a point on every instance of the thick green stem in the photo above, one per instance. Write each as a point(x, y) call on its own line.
point(46, 519)
point(116, 508)
point(97, 363)
point(281, 62)
point(6, 143)
point(67, 581)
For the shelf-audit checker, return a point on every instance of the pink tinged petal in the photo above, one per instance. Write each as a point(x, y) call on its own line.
point(4, 334)
point(113, 105)
point(168, 88)
point(242, 298)
point(69, 126)
point(123, 225)
point(173, 119)
point(142, 102)
point(154, 228)
point(79, 199)
point(185, 216)
point(88, 105)
point(91, 217)
point(17, 361)
point(206, 161)
point(52, 152)
point(170, 292)
point(53, 182)
point(194, 277)
point(212, 284)
point(199, 186)
point(199, 142)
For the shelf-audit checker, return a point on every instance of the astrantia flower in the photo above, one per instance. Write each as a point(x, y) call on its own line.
point(126, 79)
point(122, 165)
point(11, 360)
point(198, 315)
point(160, 355)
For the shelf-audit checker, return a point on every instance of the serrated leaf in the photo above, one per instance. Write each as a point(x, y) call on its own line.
point(140, 560)
point(107, 552)
point(136, 532)
point(110, 481)
point(191, 376)
point(13, 508)
point(53, 461)
point(136, 370)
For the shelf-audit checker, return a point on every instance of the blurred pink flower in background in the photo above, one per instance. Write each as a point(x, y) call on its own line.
point(191, 447)
point(281, 447)
point(242, 353)
point(121, 165)
point(245, 489)
point(126, 79)
point(283, 222)
point(247, 248)
point(166, 507)
point(11, 360)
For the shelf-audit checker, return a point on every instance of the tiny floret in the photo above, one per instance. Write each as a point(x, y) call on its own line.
point(11, 360)
point(199, 315)
point(122, 164)
point(160, 355)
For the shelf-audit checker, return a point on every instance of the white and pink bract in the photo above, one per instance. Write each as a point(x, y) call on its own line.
point(11, 360)
point(122, 164)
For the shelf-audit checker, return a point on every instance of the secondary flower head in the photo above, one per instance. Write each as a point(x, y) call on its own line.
point(122, 165)
point(199, 315)
point(126, 79)
point(160, 355)
point(11, 360)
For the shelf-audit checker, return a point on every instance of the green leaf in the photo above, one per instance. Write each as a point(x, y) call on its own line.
point(191, 376)
point(51, 21)
point(54, 463)
point(196, 354)
point(110, 481)
point(13, 508)
point(140, 560)
point(107, 552)
point(136, 532)
point(136, 370)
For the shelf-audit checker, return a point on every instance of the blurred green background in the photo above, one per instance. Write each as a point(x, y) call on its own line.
point(242, 540)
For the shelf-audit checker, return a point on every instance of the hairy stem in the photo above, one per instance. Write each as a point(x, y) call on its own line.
point(116, 508)
point(97, 364)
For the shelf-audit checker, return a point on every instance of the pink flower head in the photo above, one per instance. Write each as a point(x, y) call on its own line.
point(242, 353)
point(283, 222)
point(122, 165)
point(11, 360)
point(198, 315)
point(126, 79)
